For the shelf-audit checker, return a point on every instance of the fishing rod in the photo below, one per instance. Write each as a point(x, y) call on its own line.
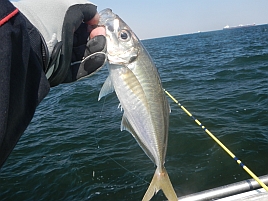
point(219, 143)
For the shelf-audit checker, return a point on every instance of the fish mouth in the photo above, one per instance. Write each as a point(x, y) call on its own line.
point(125, 58)
point(122, 62)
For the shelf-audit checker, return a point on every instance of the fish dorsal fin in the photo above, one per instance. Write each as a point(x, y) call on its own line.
point(107, 88)
point(125, 125)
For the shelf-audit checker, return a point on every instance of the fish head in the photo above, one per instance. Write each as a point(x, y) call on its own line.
point(122, 43)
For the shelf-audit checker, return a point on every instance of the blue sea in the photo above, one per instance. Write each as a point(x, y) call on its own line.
point(74, 149)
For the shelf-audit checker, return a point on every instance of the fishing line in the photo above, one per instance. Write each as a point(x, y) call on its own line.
point(99, 147)
point(95, 135)
point(219, 143)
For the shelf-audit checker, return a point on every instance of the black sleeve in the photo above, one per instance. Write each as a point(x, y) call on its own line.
point(22, 81)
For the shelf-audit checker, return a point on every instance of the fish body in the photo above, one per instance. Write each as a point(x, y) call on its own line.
point(134, 78)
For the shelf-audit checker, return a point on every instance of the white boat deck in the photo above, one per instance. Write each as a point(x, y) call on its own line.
point(248, 190)
point(255, 195)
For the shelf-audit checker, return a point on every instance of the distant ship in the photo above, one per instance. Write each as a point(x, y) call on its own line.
point(239, 26)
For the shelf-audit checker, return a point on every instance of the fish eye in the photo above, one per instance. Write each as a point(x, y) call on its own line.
point(124, 35)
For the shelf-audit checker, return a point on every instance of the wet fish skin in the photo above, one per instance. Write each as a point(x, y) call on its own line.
point(134, 77)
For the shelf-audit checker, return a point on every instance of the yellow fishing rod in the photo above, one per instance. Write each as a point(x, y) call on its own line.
point(219, 143)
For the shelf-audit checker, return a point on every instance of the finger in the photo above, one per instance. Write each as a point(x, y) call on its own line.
point(97, 31)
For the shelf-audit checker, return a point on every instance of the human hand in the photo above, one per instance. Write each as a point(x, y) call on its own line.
point(94, 53)
point(89, 48)
point(63, 27)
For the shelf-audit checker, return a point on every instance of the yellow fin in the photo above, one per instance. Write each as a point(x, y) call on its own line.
point(162, 182)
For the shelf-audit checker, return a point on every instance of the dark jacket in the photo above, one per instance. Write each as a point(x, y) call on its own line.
point(22, 81)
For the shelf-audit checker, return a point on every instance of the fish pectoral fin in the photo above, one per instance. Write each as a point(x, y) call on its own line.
point(162, 182)
point(107, 88)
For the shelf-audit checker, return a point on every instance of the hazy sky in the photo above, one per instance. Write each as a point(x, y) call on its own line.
point(152, 19)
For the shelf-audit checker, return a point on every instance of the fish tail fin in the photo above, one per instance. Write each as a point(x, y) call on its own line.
point(162, 182)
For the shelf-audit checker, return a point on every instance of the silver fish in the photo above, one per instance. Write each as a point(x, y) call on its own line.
point(134, 77)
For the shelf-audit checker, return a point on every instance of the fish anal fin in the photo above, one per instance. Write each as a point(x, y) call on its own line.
point(125, 125)
point(162, 182)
